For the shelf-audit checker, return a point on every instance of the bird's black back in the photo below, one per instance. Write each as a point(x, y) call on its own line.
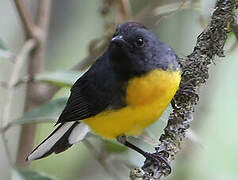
point(98, 89)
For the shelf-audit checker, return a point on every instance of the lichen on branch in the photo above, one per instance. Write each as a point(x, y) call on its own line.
point(210, 43)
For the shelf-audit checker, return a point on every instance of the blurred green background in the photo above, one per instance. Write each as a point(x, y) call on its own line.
point(212, 152)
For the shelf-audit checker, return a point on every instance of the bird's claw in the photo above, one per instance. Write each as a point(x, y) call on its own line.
point(158, 159)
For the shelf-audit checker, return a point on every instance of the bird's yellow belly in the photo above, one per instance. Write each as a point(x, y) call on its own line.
point(147, 97)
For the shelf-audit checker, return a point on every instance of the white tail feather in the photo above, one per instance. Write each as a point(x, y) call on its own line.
point(77, 134)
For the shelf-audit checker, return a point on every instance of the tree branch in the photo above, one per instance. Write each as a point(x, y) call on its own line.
point(195, 67)
point(26, 19)
point(20, 60)
point(34, 95)
point(123, 12)
point(100, 157)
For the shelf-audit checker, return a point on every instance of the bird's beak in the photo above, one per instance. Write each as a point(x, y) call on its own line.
point(119, 40)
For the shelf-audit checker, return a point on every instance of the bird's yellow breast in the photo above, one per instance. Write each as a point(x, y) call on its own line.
point(147, 97)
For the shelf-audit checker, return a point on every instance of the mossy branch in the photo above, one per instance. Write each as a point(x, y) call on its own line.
point(210, 43)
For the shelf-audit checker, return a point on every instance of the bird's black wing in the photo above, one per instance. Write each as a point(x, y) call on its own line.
point(92, 93)
point(97, 90)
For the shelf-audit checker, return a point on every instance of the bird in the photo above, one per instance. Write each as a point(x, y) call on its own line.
point(124, 91)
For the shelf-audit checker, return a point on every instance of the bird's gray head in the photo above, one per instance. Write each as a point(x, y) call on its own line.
point(134, 49)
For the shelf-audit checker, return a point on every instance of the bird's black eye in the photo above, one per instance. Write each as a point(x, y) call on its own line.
point(139, 42)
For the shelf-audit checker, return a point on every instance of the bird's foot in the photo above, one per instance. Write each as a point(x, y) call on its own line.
point(159, 161)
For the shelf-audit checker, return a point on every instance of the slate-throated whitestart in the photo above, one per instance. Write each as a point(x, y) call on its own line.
point(123, 92)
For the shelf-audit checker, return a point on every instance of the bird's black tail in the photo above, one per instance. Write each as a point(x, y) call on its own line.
point(64, 136)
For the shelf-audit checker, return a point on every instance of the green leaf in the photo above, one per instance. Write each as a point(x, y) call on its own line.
point(113, 147)
point(4, 51)
point(32, 175)
point(60, 78)
point(230, 35)
point(2, 45)
point(48, 112)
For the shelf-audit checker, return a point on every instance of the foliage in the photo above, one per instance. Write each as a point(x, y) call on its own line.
point(48, 112)
point(113, 147)
point(62, 78)
point(2, 45)
point(32, 175)
point(4, 50)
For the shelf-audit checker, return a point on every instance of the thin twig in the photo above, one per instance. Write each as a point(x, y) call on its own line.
point(100, 158)
point(20, 60)
point(171, 9)
point(182, 4)
point(34, 95)
point(124, 11)
point(29, 26)
point(7, 150)
point(24, 80)
point(164, 11)
point(43, 18)
point(96, 154)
